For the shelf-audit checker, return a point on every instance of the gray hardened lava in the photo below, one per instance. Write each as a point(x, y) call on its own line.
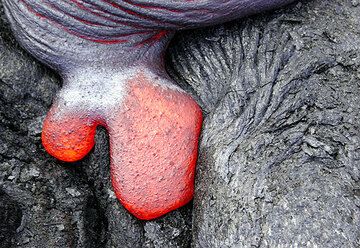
point(279, 152)
point(10, 216)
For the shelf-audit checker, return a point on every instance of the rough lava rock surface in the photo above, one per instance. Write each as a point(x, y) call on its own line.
point(279, 154)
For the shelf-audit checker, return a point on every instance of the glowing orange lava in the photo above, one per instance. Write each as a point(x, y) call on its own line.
point(153, 146)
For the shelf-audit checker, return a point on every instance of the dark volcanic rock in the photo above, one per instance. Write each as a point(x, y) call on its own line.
point(279, 155)
point(279, 163)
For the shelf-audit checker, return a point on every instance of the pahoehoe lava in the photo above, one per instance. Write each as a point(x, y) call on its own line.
point(110, 56)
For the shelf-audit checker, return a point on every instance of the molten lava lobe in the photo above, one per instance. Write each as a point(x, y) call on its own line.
point(68, 137)
point(154, 132)
point(153, 142)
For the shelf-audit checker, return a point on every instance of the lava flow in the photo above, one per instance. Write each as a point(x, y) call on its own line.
point(110, 56)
